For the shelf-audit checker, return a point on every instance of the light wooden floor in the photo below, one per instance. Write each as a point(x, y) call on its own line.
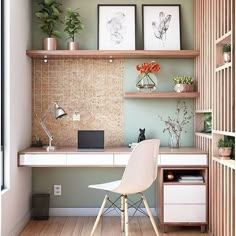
point(108, 226)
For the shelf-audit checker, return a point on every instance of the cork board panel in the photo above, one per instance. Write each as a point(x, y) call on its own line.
point(93, 88)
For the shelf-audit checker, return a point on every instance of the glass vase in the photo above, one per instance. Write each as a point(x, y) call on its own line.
point(146, 82)
point(174, 141)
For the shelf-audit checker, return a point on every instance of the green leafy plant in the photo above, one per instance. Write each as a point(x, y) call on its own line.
point(225, 142)
point(226, 48)
point(183, 80)
point(73, 23)
point(49, 16)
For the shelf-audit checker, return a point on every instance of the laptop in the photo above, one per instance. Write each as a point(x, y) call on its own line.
point(90, 140)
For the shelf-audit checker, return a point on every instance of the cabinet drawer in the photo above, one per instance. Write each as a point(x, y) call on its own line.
point(90, 159)
point(121, 159)
point(43, 160)
point(185, 213)
point(182, 159)
point(186, 194)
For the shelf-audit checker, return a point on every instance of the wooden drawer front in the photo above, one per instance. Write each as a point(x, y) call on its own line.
point(90, 159)
point(43, 160)
point(186, 194)
point(121, 159)
point(185, 213)
point(180, 160)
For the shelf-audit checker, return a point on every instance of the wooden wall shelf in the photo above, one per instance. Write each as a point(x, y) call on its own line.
point(110, 54)
point(161, 95)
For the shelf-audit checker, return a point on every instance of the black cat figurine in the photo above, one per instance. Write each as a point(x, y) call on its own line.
point(141, 136)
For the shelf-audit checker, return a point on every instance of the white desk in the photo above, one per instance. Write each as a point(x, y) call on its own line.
point(109, 157)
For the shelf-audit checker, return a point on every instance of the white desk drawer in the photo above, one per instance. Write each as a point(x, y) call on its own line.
point(121, 159)
point(182, 159)
point(43, 159)
point(185, 194)
point(90, 159)
point(185, 213)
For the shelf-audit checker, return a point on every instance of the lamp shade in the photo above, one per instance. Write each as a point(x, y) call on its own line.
point(59, 112)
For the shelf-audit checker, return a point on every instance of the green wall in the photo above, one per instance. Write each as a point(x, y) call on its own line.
point(139, 113)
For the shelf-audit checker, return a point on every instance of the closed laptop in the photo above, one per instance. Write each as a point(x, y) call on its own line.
point(90, 139)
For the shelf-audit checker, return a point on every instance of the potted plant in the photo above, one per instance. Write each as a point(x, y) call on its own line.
point(225, 146)
point(183, 84)
point(73, 26)
point(227, 52)
point(49, 16)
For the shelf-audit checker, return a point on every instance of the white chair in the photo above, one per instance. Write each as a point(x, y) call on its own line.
point(139, 174)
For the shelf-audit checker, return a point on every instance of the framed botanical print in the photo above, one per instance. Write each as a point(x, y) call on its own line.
point(161, 27)
point(116, 27)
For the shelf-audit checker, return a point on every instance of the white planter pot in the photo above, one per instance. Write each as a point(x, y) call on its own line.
point(227, 57)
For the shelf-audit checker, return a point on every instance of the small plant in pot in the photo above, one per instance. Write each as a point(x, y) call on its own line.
point(227, 52)
point(73, 26)
point(225, 146)
point(49, 16)
point(183, 84)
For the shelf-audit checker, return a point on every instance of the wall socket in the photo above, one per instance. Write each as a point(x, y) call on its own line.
point(76, 116)
point(57, 190)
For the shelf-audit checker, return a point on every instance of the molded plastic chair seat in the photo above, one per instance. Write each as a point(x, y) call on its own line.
point(139, 174)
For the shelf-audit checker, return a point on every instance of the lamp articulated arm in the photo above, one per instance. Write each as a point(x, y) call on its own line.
point(50, 137)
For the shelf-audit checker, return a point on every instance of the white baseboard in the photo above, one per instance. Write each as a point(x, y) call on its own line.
point(90, 212)
point(20, 225)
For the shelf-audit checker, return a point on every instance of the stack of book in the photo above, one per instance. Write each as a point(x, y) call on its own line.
point(190, 178)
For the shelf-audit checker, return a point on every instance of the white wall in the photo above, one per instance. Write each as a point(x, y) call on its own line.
point(16, 200)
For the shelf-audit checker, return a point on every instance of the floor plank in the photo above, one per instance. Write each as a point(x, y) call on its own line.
point(108, 226)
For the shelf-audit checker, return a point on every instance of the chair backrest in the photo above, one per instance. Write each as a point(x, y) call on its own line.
point(141, 170)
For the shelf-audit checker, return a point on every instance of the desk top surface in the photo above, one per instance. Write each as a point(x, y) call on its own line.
point(111, 150)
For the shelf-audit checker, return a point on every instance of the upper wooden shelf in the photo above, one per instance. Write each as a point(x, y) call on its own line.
point(161, 95)
point(110, 54)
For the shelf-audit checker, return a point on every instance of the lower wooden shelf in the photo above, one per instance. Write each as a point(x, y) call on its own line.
point(161, 95)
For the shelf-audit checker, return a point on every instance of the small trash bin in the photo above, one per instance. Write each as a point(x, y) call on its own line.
point(40, 206)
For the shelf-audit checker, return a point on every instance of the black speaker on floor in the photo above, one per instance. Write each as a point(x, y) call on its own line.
point(40, 206)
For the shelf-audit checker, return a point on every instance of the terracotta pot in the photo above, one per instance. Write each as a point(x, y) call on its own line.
point(49, 44)
point(72, 45)
point(225, 151)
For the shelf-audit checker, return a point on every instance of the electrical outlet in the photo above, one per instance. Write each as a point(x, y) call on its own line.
point(57, 190)
point(76, 117)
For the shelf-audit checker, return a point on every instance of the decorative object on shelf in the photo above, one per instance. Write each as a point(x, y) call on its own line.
point(175, 126)
point(183, 84)
point(116, 27)
point(225, 146)
point(141, 136)
point(207, 123)
point(49, 16)
point(161, 27)
point(147, 80)
point(58, 112)
point(227, 52)
point(170, 176)
point(37, 142)
point(73, 26)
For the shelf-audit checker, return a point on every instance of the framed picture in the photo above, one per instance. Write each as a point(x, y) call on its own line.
point(116, 27)
point(161, 27)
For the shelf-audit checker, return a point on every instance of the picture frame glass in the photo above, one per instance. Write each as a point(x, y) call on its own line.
point(116, 27)
point(161, 27)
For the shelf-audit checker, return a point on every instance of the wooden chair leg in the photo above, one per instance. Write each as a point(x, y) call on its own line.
point(126, 217)
point(150, 215)
point(122, 207)
point(99, 215)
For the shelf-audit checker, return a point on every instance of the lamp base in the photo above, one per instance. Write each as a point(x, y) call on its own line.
point(50, 148)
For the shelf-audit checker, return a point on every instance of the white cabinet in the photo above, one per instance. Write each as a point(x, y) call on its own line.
point(182, 203)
